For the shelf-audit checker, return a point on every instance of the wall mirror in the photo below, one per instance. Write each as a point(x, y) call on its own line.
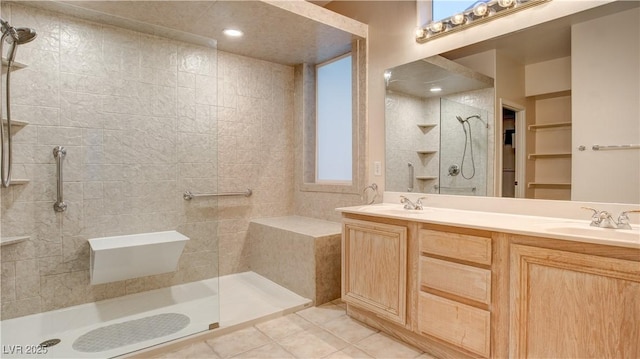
point(515, 116)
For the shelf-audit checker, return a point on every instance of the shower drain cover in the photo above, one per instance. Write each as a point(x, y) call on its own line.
point(130, 332)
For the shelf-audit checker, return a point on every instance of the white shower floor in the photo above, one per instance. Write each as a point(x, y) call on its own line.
point(244, 299)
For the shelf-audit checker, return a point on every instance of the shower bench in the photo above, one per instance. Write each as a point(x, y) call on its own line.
point(301, 254)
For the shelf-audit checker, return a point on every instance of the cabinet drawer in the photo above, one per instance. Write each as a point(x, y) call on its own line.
point(459, 279)
point(459, 324)
point(455, 245)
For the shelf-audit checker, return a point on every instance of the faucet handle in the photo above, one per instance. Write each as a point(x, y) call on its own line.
point(623, 219)
point(407, 202)
point(595, 217)
point(419, 202)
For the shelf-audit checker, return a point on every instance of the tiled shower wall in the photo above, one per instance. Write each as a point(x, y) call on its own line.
point(403, 138)
point(142, 118)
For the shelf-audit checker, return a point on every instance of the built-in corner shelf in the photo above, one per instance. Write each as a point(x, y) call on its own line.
point(18, 182)
point(533, 156)
point(549, 125)
point(557, 185)
point(5, 241)
point(14, 66)
point(15, 123)
point(426, 178)
point(426, 152)
point(427, 126)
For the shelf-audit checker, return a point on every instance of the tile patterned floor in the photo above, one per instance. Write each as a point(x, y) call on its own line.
point(317, 332)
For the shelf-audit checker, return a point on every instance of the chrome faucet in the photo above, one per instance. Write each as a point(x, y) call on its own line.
point(623, 219)
point(604, 219)
point(410, 205)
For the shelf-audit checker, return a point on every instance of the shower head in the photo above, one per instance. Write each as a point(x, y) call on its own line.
point(17, 36)
point(24, 35)
point(460, 119)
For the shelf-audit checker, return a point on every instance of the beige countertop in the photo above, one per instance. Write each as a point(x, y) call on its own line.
point(557, 228)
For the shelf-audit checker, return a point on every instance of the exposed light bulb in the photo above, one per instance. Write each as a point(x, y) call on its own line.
point(421, 33)
point(481, 9)
point(506, 3)
point(458, 19)
point(436, 27)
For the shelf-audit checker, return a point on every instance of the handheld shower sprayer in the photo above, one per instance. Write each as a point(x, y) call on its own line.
point(468, 138)
point(15, 37)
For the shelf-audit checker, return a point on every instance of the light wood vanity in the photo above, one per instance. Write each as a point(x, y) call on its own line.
point(465, 292)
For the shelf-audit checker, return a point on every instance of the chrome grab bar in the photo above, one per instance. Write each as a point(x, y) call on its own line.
point(614, 147)
point(59, 153)
point(472, 189)
point(187, 195)
point(411, 173)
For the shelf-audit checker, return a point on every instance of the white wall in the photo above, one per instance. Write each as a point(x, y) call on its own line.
point(391, 43)
point(606, 107)
point(548, 76)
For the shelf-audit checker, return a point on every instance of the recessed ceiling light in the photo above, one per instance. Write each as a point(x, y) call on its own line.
point(435, 89)
point(232, 32)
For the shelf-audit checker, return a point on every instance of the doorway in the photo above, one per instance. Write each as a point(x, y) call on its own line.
point(509, 182)
point(512, 149)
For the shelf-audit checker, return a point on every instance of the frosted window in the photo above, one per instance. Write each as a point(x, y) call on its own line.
point(334, 121)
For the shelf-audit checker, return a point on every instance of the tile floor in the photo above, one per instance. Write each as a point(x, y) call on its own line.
point(318, 332)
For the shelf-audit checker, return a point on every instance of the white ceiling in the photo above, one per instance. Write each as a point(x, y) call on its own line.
point(451, 77)
point(272, 33)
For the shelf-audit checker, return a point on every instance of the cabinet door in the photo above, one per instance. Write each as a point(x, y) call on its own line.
point(571, 305)
point(374, 268)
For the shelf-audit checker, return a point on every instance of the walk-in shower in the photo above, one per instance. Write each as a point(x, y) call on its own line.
point(142, 119)
point(14, 37)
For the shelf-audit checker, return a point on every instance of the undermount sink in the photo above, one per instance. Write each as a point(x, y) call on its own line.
point(576, 229)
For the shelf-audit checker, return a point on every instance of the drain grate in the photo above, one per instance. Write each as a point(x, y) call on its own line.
point(131, 332)
point(49, 343)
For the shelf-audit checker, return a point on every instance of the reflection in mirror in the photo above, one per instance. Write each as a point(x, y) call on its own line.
point(562, 89)
point(438, 117)
point(463, 145)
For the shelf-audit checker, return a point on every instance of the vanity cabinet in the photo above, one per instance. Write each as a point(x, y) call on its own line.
point(374, 263)
point(573, 305)
point(455, 288)
point(467, 293)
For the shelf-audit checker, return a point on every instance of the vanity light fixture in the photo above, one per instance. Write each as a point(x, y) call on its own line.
point(232, 32)
point(483, 11)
